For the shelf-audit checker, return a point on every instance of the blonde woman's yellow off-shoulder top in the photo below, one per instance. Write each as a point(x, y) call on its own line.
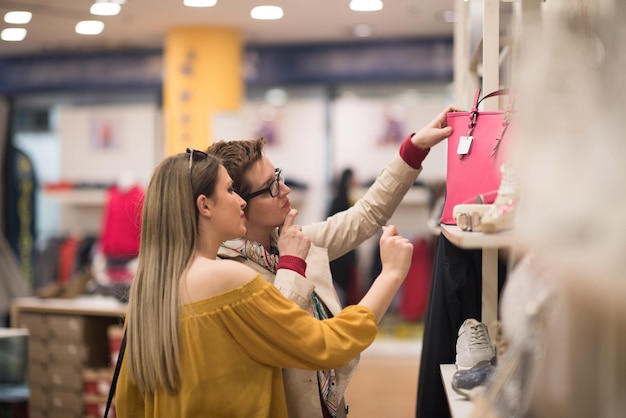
point(233, 347)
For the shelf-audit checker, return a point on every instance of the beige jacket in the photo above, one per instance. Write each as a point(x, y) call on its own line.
point(330, 239)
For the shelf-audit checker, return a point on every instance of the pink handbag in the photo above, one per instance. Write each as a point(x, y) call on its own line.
point(476, 151)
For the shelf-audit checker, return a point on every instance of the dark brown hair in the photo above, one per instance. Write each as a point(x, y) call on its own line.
point(237, 157)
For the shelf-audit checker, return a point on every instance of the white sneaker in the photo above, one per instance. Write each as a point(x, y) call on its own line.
point(473, 345)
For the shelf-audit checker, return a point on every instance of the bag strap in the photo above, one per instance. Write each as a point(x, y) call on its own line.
point(473, 115)
point(501, 92)
point(116, 373)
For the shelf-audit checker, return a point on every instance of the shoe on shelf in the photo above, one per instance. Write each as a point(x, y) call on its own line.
point(51, 290)
point(499, 217)
point(78, 283)
point(501, 214)
point(468, 216)
point(471, 382)
point(473, 345)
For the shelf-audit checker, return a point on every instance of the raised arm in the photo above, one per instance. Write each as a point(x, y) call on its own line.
point(395, 253)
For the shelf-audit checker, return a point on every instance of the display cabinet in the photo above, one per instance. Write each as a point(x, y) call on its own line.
point(66, 338)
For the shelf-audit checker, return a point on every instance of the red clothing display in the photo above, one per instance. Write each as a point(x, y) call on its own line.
point(416, 287)
point(121, 227)
point(67, 259)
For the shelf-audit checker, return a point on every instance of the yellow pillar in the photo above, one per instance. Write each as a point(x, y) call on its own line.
point(202, 75)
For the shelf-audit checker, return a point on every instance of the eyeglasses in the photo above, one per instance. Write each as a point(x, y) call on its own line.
point(273, 189)
point(195, 155)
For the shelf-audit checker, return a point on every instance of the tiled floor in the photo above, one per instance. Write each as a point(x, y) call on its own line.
point(384, 384)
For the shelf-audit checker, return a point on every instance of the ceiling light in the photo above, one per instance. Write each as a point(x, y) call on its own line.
point(366, 5)
point(18, 17)
point(362, 30)
point(13, 34)
point(266, 13)
point(200, 3)
point(105, 8)
point(89, 27)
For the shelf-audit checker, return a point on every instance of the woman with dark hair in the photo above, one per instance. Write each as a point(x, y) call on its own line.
point(344, 269)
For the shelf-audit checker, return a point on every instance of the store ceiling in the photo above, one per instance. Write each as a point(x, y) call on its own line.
point(144, 23)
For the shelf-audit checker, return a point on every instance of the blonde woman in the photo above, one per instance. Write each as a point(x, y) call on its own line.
point(208, 337)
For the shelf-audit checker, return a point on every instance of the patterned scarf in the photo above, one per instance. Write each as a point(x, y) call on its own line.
point(254, 251)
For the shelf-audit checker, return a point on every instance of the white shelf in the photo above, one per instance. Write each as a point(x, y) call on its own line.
point(476, 240)
point(13, 332)
point(82, 305)
point(78, 197)
point(460, 407)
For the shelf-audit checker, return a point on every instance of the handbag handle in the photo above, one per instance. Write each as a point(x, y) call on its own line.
point(116, 373)
point(501, 92)
point(477, 101)
point(473, 115)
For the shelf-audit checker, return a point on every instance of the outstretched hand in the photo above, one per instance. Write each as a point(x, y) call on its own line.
point(291, 240)
point(396, 252)
point(435, 132)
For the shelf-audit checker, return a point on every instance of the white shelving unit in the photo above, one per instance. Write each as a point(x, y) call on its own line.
point(583, 328)
point(78, 197)
point(479, 63)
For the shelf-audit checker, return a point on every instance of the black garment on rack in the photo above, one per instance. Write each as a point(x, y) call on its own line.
point(47, 262)
point(21, 208)
point(455, 295)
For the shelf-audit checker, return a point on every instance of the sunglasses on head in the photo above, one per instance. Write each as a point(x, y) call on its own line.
point(195, 155)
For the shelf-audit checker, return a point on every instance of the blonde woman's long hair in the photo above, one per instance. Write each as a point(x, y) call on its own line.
point(168, 240)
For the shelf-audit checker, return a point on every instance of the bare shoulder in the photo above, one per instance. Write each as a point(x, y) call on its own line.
point(234, 272)
point(207, 278)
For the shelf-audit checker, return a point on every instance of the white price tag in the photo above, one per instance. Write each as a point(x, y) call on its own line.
point(465, 143)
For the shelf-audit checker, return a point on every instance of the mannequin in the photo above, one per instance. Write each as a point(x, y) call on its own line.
point(126, 181)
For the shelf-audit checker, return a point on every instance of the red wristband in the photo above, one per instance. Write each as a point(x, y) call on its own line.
point(292, 262)
point(411, 154)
